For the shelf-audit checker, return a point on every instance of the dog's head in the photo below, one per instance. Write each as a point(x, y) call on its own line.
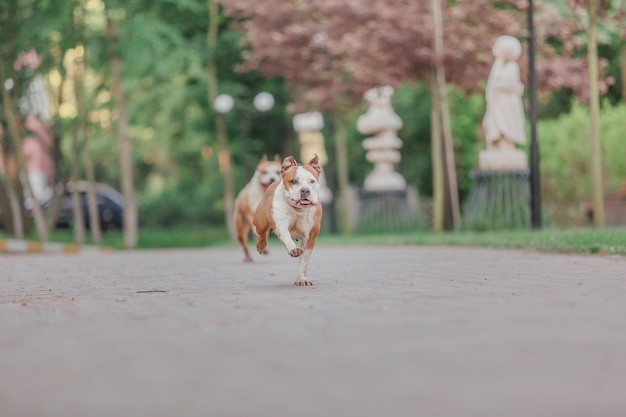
point(300, 182)
point(268, 171)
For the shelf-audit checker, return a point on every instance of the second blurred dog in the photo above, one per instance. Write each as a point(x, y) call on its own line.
point(249, 197)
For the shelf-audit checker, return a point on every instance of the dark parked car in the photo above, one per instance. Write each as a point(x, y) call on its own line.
point(110, 207)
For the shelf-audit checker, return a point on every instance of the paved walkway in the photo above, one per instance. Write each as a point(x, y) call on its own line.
point(385, 331)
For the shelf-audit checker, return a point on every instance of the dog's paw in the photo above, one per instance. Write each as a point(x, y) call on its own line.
point(248, 259)
point(265, 252)
point(303, 283)
point(295, 252)
point(261, 249)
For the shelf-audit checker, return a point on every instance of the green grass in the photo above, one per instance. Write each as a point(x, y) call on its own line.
point(583, 240)
point(183, 237)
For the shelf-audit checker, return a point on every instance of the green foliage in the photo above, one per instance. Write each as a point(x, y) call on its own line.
point(412, 103)
point(175, 206)
point(162, 46)
point(467, 113)
point(565, 160)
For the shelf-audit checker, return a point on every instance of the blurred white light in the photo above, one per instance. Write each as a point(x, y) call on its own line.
point(263, 101)
point(223, 103)
point(8, 84)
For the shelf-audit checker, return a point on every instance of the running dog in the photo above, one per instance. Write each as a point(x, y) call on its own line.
point(291, 207)
point(249, 197)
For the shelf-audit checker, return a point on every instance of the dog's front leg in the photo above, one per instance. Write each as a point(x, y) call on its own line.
point(284, 236)
point(302, 266)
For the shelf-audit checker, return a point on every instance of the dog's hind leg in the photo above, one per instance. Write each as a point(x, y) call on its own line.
point(261, 243)
point(250, 222)
point(242, 236)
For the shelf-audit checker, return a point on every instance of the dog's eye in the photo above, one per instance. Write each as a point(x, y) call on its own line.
point(312, 181)
point(264, 172)
point(293, 182)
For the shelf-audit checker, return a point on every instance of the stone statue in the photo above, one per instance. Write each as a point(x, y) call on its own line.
point(383, 148)
point(309, 126)
point(504, 120)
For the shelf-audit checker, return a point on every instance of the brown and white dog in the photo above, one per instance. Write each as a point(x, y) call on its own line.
point(249, 198)
point(292, 208)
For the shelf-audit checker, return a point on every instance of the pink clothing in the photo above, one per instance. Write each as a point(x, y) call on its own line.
point(36, 158)
point(37, 149)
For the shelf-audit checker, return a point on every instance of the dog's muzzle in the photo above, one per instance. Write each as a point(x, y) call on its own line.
point(265, 185)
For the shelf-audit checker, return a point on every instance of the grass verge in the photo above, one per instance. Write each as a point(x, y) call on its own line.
point(583, 240)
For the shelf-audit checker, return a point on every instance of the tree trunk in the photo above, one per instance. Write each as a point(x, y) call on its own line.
point(10, 207)
point(94, 215)
point(224, 158)
point(81, 103)
point(436, 151)
point(622, 65)
point(448, 143)
point(594, 110)
point(79, 222)
point(125, 144)
point(342, 173)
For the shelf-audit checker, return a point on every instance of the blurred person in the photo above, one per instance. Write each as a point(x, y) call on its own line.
point(38, 146)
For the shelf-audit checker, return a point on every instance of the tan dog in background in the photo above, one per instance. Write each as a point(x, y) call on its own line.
point(249, 197)
point(292, 208)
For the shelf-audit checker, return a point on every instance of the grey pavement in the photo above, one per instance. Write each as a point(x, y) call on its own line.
point(384, 331)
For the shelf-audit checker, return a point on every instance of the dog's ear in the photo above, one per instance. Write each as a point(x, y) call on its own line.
point(276, 158)
point(315, 164)
point(288, 162)
point(264, 159)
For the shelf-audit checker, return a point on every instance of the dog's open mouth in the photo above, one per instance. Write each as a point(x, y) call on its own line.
point(266, 185)
point(303, 203)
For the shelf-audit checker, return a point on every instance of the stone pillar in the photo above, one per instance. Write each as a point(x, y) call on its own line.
point(309, 126)
point(384, 199)
point(383, 149)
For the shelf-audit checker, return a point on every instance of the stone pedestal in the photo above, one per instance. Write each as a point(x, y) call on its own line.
point(507, 159)
point(498, 200)
point(386, 211)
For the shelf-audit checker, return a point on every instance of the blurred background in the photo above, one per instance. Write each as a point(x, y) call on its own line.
point(108, 106)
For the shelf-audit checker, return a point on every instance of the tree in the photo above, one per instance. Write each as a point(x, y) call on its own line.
point(595, 10)
point(13, 218)
point(224, 156)
point(16, 36)
point(594, 112)
point(335, 49)
point(126, 146)
point(440, 91)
